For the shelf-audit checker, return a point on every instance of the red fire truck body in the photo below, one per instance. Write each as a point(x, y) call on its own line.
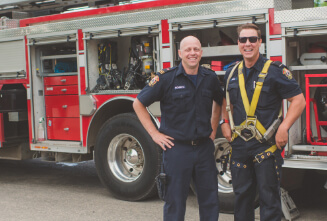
point(68, 81)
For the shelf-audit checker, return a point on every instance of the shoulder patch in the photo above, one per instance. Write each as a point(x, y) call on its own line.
point(207, 67)
point(287, 73)
point(162, 71)
point(154, 81)
point(230, 65)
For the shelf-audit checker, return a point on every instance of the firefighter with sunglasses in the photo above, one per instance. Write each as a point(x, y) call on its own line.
point(252, 121)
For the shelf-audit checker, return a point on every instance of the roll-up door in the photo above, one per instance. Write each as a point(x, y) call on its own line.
point(305, 28)
point(122, 30)
point(61, 37)
point(12, 59)
point(223, 20)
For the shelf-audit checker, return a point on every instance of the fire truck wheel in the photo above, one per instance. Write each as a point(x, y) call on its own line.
point(126, 158)
point(225, 188)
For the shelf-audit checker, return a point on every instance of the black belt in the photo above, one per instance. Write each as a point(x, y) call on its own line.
point(194, 142)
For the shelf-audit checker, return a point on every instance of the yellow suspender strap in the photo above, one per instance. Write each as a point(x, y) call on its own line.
point(258, 88)
point(250, 110)
point(241, 83)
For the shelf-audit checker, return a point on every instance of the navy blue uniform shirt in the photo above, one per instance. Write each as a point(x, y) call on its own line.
point(185, 108)
point(278, 85)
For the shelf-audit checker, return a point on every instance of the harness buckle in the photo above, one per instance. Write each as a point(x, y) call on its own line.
point(250, 126)
point(259, 157)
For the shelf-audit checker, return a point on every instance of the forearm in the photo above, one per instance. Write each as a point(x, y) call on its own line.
point(144, 117)
point(225, 127)
point(294, 111)
point(216, 110)
point(224, 113)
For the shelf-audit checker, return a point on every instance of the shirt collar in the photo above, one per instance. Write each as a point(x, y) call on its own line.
point(259, 64)
point(180, 70)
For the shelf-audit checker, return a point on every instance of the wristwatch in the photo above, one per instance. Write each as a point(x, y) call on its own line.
point(223, 121)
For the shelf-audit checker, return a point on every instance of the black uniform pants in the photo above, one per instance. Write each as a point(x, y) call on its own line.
point(248, 177)
point(182, 163)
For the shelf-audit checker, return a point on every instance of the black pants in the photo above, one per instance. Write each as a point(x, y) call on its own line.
point(182, 163)
point(248, 177)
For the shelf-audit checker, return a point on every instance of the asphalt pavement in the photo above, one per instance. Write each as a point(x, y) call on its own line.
point(38, 190)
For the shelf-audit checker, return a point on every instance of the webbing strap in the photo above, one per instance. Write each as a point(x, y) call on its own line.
point(228, 107)
point(250, 110)
point(266, 154)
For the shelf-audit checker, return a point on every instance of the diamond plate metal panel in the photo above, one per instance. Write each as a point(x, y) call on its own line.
point(298, 15)
point(282, 5)
point(302, 4)
point(11, 33)
point(198, 9)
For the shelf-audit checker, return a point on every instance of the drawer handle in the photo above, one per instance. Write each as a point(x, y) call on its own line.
point(63, 80)
point(64, 106)
point(66, 129)
point(64, 90)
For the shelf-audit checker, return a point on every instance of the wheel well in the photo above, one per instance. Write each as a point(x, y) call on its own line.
point(106, 112)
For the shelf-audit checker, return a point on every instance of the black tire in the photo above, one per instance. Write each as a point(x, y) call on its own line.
point(126, 158)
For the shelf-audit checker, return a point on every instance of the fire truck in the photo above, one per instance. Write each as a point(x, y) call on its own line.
point(68, 81)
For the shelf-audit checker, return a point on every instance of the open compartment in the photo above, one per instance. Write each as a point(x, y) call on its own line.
point(54, 72)
point(57, 59)
point(305, 53)
point(123, 59)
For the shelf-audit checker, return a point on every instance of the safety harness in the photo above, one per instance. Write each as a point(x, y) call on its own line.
point(251, 127)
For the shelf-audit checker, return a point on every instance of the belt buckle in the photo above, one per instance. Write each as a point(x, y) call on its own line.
point(194, 142)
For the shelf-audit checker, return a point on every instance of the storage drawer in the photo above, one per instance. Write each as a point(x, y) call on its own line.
point(61, 80)
point(62, 106)
point(63, 129)
point(61, 90)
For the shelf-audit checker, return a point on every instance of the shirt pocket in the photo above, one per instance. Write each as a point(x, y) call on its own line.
point(181, 101)
point(206, 98)
point(265, 97)
point(233, 90)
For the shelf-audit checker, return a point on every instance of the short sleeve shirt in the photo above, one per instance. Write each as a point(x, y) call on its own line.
point(185, 108)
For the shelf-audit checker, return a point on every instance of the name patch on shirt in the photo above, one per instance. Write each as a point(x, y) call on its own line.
point(179, 87)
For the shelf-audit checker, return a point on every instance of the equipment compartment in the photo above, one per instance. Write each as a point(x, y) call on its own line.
point(57, 59)
point(121, 63)
point(305, 52)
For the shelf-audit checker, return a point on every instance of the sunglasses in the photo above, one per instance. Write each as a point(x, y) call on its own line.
point(252, 39)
